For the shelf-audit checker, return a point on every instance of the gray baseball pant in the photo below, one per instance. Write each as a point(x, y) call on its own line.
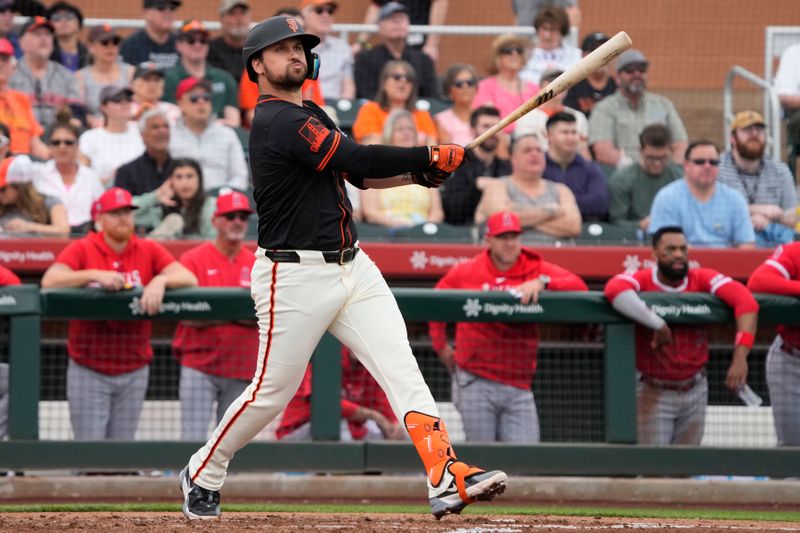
point(105, 407)
point(783, 380)
point(665, 417)
point(492, 411)
point(198, 393)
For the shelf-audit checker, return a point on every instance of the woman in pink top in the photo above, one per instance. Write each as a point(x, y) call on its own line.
point(460, 86)
point(505, 90)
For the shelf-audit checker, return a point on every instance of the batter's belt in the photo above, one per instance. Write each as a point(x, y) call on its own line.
point(288, 256)
point(678, 386)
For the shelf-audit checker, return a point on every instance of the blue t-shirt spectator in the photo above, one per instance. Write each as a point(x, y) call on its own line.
point(722, 221)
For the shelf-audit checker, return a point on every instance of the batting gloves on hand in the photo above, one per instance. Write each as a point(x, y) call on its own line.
point(432, 179)
point(446, 157)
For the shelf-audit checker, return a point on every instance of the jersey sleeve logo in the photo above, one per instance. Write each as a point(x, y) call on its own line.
point(315, 133)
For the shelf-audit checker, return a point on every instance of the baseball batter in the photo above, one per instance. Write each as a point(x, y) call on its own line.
point(672, 392)
point(310, 276)
point(780, 274)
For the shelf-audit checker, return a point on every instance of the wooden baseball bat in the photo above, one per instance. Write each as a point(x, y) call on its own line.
point(596, 59)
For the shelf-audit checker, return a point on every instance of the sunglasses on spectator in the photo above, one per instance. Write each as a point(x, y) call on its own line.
point(65, 142)
point(196, 40)
point(65, 15)
point(205, 97)
point(166, 7)
point(636, 67)
point(702, 161)
point(120, 98)
point(111, 41)
point(329, 9)
point(508, 50)
point(237, 215)
point(396, 76)
point(472, 82)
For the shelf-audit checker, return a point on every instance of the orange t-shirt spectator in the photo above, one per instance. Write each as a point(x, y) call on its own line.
point(16, 111)
point(397, 90)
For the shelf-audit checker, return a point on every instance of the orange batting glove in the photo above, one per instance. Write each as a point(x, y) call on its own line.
point(446, 157)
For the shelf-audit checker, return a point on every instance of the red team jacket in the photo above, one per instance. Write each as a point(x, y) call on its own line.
point(229, 350)
point(688, 353)
point(359, 388)
point(113, 346)
point(7, 277)
point(500, 352)
point(780, 274)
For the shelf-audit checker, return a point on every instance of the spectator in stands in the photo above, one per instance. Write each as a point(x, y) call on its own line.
point(407, 206)
point(147, 172)
point(118, 141)
point(393, 23)
point(335, 56)
point(787, 85)
point(493, 364)
point(198, 136)
point(565, 165)
point(584, 95)
point(550, 52)
point(398, 90)
point(179, 207)
point(547, 209)
point(366, 412)
point(780, 274)
point(225, 51)
point(105, 69)
point(766, 184)
point(148, 88)
point(710, 213)
point(503, 88)
point(66, 178)
point(108, 360)
point(217, 357)
point(672, 393)
point(48, 84)
point(460, 86)
point(68, 50)
point(618, 119)
point(461, 193)
point(23, 135)
point(7, 9)
point(6, 278)
point(633, 188)
point(526, 11)
point(22, 208)
point(192, 46)
point(155, 42)
point(535, 122)
point(420, 12)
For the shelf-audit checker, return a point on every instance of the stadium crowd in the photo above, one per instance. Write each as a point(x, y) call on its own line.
point(116, 141)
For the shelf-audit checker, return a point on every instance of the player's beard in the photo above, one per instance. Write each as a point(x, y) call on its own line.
point(673, 273)
point(290, 81)
point(750, 149)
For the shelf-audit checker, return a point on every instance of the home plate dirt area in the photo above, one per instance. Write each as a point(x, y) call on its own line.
point(364, 523)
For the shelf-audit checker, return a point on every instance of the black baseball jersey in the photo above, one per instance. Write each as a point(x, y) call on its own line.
point(302, 203)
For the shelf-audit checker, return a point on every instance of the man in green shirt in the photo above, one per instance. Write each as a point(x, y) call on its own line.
point(192, 45)
point(633, 187)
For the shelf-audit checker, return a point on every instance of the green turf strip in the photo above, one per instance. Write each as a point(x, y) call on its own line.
point(710, 514)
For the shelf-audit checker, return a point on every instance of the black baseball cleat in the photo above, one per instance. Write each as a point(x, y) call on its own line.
point(198, 503)
point(462, 485)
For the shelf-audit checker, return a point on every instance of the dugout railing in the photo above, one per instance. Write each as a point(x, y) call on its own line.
point(618, 455)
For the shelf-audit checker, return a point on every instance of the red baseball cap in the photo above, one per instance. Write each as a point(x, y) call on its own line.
point(187, 84)
point(113, 198)
point(6, 48)
point(231, 202)
point(503, 222)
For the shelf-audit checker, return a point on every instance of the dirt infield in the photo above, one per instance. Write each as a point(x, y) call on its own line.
point(365, 523)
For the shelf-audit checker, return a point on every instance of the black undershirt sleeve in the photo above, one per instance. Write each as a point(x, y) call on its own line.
point(376, 161)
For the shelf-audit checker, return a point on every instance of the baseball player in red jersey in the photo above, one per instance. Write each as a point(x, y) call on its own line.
point(780, 274)
point(108, 359)
point(366, 413)
point(310, 276)
point(6, 278)
point(672, 392)
point(217, 358)
point(493, 364)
